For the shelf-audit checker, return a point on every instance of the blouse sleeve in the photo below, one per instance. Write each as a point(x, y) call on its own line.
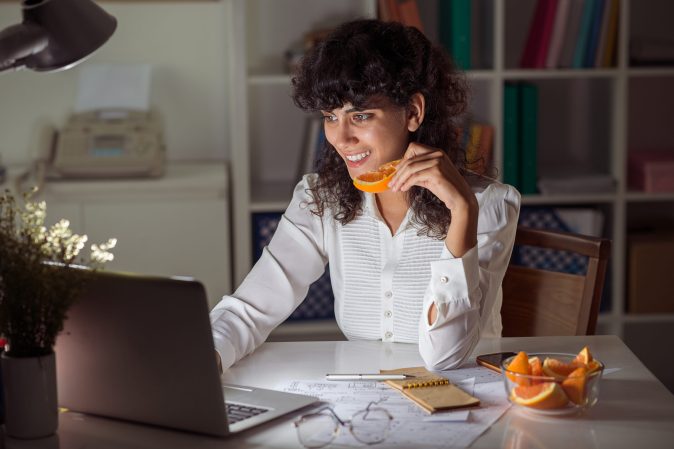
point(277, 284)
point(466, 290)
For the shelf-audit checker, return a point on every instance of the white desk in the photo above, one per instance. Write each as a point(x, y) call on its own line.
point(634, 409)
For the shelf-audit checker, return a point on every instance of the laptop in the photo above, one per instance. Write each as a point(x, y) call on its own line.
point(140, 348)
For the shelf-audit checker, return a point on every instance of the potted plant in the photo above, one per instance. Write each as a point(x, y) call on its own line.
point(41, 274)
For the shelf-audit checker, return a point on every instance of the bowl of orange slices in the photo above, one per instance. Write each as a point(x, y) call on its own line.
point(552, 383)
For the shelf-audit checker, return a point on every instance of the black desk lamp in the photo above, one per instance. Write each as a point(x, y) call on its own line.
point(54, 35)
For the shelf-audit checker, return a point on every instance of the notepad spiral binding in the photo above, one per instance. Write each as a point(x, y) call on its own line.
point(428, 383)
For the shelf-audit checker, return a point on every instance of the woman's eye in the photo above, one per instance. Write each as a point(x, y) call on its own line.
point(361, 117)
point(329, 118)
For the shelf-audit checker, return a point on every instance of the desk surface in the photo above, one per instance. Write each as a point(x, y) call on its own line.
point(634, 408)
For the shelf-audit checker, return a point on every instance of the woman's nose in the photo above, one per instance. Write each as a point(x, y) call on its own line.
point(342, 136)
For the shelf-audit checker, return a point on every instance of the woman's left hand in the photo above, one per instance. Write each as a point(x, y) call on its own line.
point(432, 169)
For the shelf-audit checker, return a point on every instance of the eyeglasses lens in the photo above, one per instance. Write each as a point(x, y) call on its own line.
point(317, 430)
point(371, 426)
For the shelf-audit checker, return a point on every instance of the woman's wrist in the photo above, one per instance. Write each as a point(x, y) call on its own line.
point(462, 232)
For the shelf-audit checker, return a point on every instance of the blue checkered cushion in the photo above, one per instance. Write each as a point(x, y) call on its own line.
point(319, 303)
point(546, 259)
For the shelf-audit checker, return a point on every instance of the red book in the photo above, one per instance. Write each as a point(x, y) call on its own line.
point(409, 14)
point(546, 33)
point(530, 53)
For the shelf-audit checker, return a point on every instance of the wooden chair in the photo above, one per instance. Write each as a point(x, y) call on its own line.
point(539, 302)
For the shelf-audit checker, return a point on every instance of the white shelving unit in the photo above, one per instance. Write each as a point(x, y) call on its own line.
point(584, 113)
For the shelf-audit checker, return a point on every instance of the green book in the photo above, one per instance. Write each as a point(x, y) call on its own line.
point(511, 131)
point(529, 138)
point(583, 34)
point(454, 30)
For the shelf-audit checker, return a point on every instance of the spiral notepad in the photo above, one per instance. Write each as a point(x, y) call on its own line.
point(430, 391)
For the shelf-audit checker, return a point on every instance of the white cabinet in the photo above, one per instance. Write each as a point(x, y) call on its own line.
point(174, 226)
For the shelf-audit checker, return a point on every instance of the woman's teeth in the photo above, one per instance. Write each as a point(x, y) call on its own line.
point(357, 157)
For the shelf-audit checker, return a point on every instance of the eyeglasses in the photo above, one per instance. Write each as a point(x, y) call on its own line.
point(370, 426)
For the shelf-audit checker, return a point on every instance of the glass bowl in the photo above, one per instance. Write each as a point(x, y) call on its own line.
point(560, 390)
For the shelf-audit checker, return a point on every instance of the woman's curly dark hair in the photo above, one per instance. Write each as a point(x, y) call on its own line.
point(364, 59)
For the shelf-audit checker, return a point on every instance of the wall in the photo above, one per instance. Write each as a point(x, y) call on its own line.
point(184, 42)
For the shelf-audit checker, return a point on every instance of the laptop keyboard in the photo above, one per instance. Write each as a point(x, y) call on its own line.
point(239, 412)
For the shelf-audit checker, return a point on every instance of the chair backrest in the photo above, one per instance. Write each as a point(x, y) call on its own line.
point(539, 302)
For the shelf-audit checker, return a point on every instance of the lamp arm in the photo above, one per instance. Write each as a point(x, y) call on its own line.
point(18, 42)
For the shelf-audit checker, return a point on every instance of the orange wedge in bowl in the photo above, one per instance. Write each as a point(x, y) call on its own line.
point(558, 369)
point(546, 395)
point(519, 365)
point(376, 181)
point(575, 385)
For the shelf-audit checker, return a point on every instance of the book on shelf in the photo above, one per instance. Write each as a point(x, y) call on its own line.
point(478, 145)
point(403, 11)
point(553, 59)
point(603, 34)
point(533, 42)
point(546, 33)
point(583, 34)
point(511, 139)
point(528, 100)
point(594, 35)
point(609, 51)
point(481, 34)
point(454, 30)
point(409, 14)
point(651, 171)
point(571, 33)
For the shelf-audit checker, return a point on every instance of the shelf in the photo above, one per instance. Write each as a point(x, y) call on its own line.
point(281, 79)
point(648, 318)
point(514, 74)
point(650, 71)
point(645, 197)
point(271, 196)
point(568, 199)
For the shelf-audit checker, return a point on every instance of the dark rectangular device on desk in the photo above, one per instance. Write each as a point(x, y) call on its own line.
point(140, 348)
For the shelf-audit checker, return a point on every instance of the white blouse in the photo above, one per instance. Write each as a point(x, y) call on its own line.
point(383, 284)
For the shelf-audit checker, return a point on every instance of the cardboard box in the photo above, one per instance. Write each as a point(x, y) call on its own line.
point(651, 171)
point(650, 283)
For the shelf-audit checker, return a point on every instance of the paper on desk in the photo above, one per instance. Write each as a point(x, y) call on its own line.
point(113, 86)
point(409, 428)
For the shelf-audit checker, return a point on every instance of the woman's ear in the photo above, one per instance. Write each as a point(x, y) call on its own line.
point(415, 111)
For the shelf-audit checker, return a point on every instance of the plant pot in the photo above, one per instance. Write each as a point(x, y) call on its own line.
point(31, 407)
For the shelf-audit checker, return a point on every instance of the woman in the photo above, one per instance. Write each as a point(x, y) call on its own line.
point(420, 263)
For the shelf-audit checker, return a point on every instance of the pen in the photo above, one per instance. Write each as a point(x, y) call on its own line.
point(367, 376)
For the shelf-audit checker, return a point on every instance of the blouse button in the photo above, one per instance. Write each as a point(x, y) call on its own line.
point(388, 294)
point(388, 314)
point(388, 334)
point(444, 279)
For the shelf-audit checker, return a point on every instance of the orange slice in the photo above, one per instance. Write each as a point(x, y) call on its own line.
point(584, 356)
point(546, 395)
point(574, 386)
point(536, 368)
point(558, 369)
point(376, 181)
point(519, 365)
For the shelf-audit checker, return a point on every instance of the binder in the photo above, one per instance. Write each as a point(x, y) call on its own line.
point(430, 391)
point(529, 138)
point(511, 136)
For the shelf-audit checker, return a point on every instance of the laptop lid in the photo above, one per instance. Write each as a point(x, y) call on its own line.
point(140, 348)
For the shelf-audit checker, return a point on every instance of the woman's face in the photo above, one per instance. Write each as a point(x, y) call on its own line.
point(367, 138)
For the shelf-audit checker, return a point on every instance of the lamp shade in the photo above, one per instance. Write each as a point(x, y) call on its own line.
point(73, 30)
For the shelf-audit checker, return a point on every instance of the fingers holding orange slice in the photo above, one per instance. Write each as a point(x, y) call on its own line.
point(376, 181)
